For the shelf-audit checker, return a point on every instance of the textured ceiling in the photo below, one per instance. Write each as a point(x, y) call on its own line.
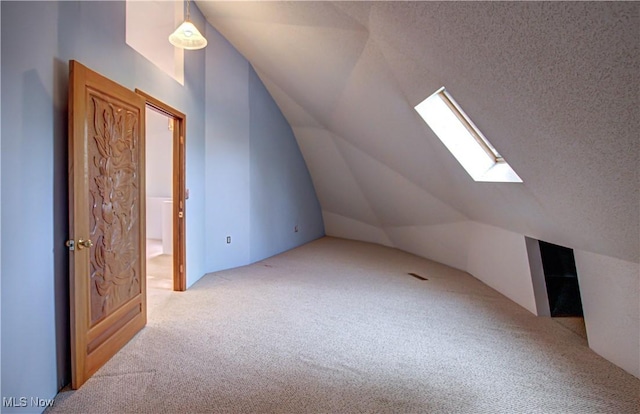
point(554, 86)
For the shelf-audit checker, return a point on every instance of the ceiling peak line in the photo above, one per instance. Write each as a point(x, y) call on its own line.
point(270, 84)
point(333, 138)
point(390, 170)
point(323, 14)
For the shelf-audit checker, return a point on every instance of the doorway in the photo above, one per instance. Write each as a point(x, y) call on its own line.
point(107, 215)
point(555, 284)
point(563, 291)
point(561, 278)
point(165, 200)
point(159, 206)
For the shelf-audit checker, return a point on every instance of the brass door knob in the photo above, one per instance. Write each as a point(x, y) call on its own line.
point(84, 243)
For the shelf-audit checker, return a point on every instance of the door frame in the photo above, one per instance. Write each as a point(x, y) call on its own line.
point(179, 188)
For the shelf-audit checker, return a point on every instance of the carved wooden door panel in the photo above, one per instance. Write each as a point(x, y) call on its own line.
point(107, 219)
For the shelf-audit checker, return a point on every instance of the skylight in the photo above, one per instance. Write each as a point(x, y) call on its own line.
point(463, 139)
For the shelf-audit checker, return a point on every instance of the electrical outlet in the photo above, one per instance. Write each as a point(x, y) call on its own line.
point(228, 239)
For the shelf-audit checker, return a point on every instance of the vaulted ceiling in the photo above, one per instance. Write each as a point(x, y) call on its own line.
point(554, 87)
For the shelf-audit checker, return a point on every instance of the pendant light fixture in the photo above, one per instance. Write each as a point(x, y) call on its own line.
point(187, 36)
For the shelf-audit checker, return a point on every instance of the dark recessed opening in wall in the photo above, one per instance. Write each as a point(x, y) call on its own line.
point(561, 279)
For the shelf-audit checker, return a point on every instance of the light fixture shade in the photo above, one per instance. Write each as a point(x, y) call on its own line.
point(187, 36)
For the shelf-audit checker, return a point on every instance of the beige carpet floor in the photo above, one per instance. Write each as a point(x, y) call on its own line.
point(339, 326)
point(574, 324)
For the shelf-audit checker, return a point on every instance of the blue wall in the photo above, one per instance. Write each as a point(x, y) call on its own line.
point(245, 173)
point(281, 191)
point(258, 187)
point(227, 151)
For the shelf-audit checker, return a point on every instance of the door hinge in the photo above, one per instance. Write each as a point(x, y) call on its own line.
point(181, 269)
point(181, 139)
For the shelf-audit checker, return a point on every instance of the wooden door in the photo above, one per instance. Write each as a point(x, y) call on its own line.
point(107, 219)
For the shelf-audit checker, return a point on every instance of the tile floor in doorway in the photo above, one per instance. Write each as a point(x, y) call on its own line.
point(159, 276)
